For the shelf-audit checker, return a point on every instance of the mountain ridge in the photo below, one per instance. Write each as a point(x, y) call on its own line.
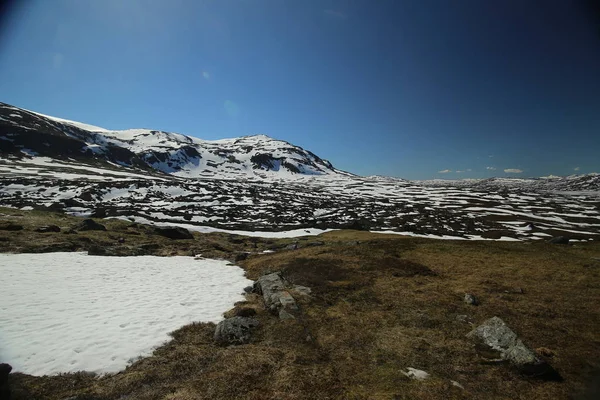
point(24, 131)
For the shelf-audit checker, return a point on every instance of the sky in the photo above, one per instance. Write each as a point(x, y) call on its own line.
point(406, 88)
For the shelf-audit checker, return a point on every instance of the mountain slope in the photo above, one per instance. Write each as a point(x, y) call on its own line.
point(26, 133)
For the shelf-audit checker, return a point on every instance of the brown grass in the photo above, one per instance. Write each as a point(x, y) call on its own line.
point(378, 306)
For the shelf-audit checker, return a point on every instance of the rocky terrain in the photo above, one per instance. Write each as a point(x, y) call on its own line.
point(257, 183)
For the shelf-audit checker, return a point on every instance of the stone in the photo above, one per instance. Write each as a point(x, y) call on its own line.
point(272, 287)
point(90, 225)
point(4, 389)
point(293, 246)
point(559, 240)
point(48, 228)
point(462, 318)
point(471, 299)
point(173, 232)
point(303, 290)
point(235, 331)
point(416, 374)
point(456, 384)
point(284, 315)
point(249, 289)
point(495, 336)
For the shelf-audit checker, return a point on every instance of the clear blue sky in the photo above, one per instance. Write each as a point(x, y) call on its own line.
point(403, 88)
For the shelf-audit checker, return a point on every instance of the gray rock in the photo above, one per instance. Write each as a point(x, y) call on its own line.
point(462, 318)
point(236, 330)
point(90, 225)
point(496, 336)
point(284, 315)
point(249, 289)
point(173, 232)
point(471, 299)
point(272, 287)
point(302, 289)
point(4, 389)
point(293, 246)
point(559, 240)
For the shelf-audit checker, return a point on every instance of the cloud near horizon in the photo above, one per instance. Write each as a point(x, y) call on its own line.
point(513, 171)
point(576, 169)
point(490, 168)
point(444, 171)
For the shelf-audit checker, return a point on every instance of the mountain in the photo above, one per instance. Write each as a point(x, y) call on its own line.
point(25, 133)
point(259, 185)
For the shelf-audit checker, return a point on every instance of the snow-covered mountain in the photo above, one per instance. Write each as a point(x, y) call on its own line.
point(256, 183)
point(26, 133)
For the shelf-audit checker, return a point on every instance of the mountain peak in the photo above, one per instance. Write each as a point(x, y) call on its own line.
point(26, 133)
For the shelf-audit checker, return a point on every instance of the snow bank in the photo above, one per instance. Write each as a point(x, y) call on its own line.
point(67, 312)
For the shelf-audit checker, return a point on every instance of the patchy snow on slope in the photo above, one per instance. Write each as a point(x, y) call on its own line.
point(67, 312)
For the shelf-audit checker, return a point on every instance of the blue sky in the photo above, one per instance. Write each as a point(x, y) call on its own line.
point(400, 88)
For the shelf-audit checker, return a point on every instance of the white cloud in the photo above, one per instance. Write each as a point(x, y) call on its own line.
point(206, 75)
point(469, 170)
point(513, 171)
point(491, 168)
point(491, 156)
point(57, 60)
point(444, 171)
point(335, 14)
point(576, 169)
point(459, 171)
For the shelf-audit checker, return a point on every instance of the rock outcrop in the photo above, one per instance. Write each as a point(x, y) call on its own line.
point(235, 331)
point(275, 295)
point(4, 389)
point(502, 344)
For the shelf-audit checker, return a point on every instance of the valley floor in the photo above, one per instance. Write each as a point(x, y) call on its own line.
point(380, 304)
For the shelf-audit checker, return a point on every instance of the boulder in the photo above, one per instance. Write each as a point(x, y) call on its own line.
point(498, 339)
point(416, 374)
point(90, 225)
point(559, 240)
point(173, 232)
point(4, 389)
point(275, 295)
point(236, 330)
point(249, 289)
point(471, 299)
point(48, 228)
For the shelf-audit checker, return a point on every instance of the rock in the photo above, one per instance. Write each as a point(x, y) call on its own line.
point(90, 225)
point(559, 240)
point(272, 288)
point(415, 374)
point(462, 318)
point(471, 299)
point(173, 232)
point(497, 337)
point(4, 389)
point(303, 290)
point(293, 246)
point(48, 228)
point(236, 330)
point(9, 226)
point(249, 289)
point(284, 315)
point(458, 385)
